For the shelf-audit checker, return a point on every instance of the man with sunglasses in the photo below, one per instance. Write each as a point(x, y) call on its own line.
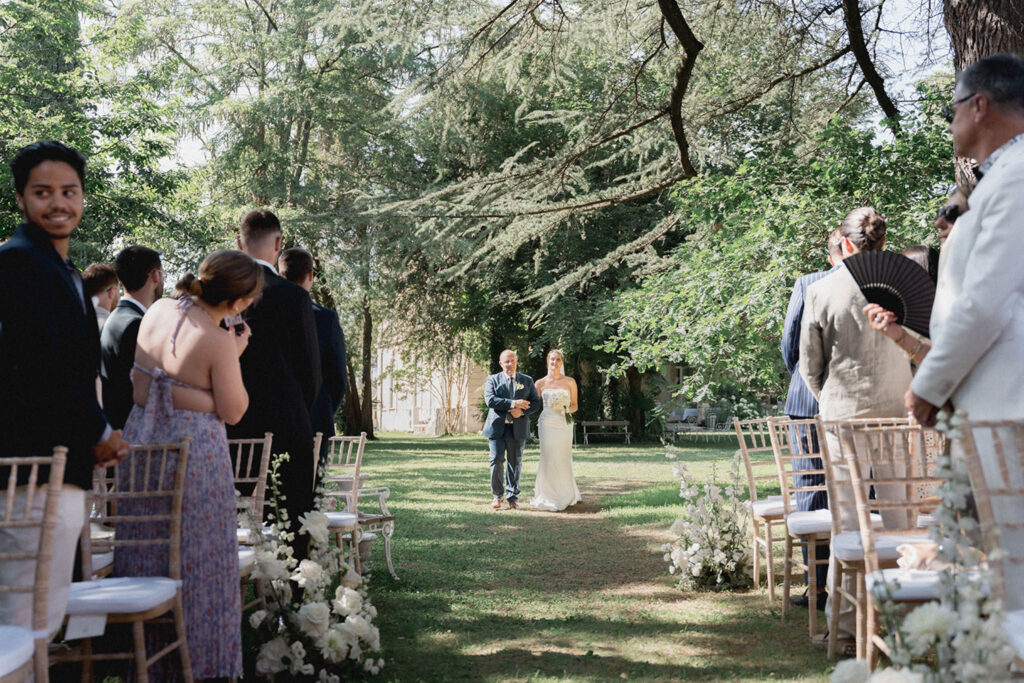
point(978, 317)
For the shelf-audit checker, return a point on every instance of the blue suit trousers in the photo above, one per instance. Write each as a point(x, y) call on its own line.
point(506, 465)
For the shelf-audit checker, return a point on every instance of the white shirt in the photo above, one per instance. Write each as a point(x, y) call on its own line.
point(129, 297)
point(268, 265)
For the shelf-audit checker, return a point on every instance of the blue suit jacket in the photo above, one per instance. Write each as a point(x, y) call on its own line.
point(800, 402)
point(499, 402)
point(332, 370)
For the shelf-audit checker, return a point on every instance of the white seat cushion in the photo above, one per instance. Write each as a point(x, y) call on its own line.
point(770, 506)
point(342, 519)
point(243, 534)
point(1014, 625)
point(17, 648)
point(809, 522)
point(915, 584)
point(246, 558)
point(926, 520)
point(847, 546)
point(366, 536)
point(102, 561)
point(122, 595)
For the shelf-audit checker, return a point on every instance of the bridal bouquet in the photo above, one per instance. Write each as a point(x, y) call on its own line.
point(560, 403)
point(710, 550)
point(327, 633)
point(959, 638)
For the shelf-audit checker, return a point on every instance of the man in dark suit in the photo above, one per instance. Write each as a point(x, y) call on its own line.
point(510, 397)
point(49, 356)
point(138, 268)
point(296, 265)
point(801, 404)
point(280, 367)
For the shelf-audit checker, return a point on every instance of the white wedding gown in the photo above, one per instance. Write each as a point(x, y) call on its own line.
point(556, 484)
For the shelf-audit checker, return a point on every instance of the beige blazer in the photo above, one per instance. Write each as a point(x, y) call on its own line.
point(977, 324)
point(851, 369)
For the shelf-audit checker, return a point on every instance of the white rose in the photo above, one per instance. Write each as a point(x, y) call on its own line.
point(347, 601)
point(360, 626)
point(315, 523)
point(850, 671)
point(352, 579)
point(328, 677)
point(269, 566)
point(313, 619)
point(269, 660)
point(257, 617)
point(309, 573)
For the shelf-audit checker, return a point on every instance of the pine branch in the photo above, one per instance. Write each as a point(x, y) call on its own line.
point(691, 48)
point(855, 31)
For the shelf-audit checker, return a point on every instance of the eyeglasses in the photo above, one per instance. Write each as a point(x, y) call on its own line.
point(949, 111)
point(950, 213)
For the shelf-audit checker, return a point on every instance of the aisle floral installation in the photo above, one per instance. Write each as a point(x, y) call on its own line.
point(317, 624)
point(960, 637)
point(710, 551)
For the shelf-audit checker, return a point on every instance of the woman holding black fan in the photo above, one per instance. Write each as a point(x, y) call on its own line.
point(853, 372)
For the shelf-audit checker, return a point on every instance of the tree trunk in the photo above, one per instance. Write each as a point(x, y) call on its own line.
point(979, 28)
point(638, 423)
point(367, 408)
point(353, 406)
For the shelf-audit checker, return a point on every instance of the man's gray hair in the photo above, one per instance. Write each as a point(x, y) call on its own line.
point(1000, 78)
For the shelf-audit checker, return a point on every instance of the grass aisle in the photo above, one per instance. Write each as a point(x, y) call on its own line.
point(579, 595)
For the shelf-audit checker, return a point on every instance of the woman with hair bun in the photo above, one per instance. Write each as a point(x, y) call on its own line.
point(853, 372)
point(188, 383)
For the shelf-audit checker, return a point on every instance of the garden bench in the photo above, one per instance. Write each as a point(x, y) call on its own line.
point(604, 427)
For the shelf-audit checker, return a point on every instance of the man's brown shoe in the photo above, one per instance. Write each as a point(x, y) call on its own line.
point(512, 505)
point(496, 503)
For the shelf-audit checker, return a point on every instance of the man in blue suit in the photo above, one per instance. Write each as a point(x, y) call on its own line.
point(801, 404)
point(510, 397)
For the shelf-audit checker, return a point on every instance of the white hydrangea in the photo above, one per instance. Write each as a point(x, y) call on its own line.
point(927, 624)
point(270, 658)
point(896, 676)
point(850, 671)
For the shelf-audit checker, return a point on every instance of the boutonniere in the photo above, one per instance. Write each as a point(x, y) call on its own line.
point(519, 386)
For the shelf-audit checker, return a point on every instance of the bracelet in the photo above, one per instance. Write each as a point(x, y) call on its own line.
point(902, 337)
point(913, 354)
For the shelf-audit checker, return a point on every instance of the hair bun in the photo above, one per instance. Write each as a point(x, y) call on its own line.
point(190, 285)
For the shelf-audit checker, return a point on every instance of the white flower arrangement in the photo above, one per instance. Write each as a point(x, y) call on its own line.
point(327, 634)
point(959, 638)
point(560, 403)
point(710, 550)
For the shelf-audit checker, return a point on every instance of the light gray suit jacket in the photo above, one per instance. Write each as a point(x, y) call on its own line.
point(977, 325)
point(851, 369)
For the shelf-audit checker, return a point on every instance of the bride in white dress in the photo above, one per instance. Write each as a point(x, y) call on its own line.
point(556, 484)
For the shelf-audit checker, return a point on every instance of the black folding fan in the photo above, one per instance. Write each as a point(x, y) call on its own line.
point(895, 283)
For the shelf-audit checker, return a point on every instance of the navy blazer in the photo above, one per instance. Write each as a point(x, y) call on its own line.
point(118, 339)
point(49, 357)
point(800, 402)
point(331, 341)
point(499, 402)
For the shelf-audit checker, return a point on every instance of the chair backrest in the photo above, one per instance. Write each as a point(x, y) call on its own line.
point(344, 461)
point(793, 440)
point(838, 481)
point(893, 461)
point(756, 451)
point(143, 500)
point(994, 451)
point(250, 459)
point(17, 514)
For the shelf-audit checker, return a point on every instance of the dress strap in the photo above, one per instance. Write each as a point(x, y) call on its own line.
point(185, 305)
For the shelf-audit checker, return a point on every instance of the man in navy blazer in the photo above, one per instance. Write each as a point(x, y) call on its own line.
point(801, 404)
point(510, 397)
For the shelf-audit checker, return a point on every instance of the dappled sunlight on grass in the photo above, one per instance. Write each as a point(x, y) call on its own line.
point(578, 595)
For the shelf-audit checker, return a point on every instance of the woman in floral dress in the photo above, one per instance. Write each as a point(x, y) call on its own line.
point(188, 383)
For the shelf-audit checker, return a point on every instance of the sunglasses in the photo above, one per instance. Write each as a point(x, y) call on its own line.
point(950, 213)
point(949, 111)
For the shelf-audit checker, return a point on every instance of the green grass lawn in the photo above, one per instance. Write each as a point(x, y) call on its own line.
point(577, 595)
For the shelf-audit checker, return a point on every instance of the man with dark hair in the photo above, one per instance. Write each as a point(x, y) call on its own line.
point(801, 404)
point(49, 353)
point(99, 282)
point(139, 270)
point(296, 265)
point(280, 367)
